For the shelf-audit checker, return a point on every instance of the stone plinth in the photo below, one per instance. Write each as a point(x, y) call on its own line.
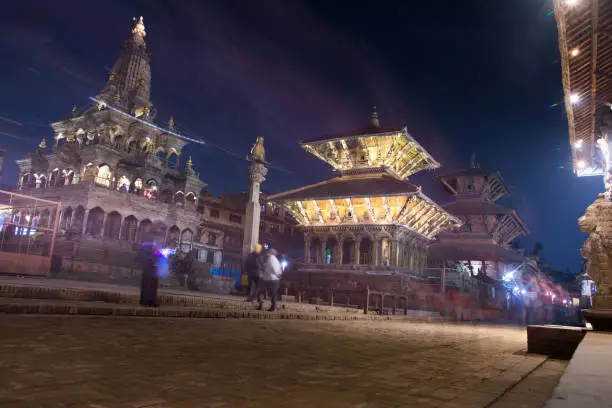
point(558, 342)
point(597, 250)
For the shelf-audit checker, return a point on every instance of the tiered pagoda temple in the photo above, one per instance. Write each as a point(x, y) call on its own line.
point(368, 215)
point(116, 173)
point(481, 246)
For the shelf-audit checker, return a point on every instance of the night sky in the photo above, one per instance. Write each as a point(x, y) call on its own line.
point(463, 76)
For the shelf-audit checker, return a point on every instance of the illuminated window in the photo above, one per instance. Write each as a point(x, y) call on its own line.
point(104, 176)
point(123, 184)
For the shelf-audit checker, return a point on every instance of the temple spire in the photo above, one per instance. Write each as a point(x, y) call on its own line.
point(129, 83)
point(171, 123)
point(43, 144)
point(374, 122)
point(138, 31)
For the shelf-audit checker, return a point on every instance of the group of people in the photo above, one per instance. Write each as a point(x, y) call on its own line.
point(264, 271)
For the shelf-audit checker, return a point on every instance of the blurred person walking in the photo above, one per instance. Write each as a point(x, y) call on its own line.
point(270, 279)
point(254, 267)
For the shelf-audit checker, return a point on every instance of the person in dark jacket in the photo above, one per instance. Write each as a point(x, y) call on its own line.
point(253, 267)
point(147, 259)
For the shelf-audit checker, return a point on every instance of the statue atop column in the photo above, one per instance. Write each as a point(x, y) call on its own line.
point(257, 175)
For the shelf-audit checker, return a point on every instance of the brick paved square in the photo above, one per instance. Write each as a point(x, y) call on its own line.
point(104, 362)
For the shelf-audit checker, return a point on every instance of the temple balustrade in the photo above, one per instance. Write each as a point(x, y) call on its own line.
point(43, 186)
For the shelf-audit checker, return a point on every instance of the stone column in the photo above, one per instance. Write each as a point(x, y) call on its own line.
point(597, 250)
point(339, 252)
point(306, 250)
point(375, 252)
point(257, 175)
point(356, 252)
point(393, 253)
point(323, 251)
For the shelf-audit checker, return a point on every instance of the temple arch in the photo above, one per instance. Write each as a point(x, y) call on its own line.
point(186, 240)
point(104, 175)
point(129, 228)
point(77, 219)
point(66, 219)
point(112, 226)
point(179, 198)
point(172, 159)
point(174, 237)
point(366, 246)
point(95, 221)
point(144, 230)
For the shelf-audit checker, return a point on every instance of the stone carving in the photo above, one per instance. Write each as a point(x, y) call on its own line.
point(257, 172)
point(597, 249)
point(258, 152)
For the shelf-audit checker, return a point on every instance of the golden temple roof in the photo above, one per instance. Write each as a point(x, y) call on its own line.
point(372, 147)
point(347, 186)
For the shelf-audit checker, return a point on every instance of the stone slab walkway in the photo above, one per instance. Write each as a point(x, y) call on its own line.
point(117, 362)
point(587, 382)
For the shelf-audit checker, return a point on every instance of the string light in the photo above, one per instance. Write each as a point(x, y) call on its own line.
point(574, 98)
point(575, 52)
point(578, 144)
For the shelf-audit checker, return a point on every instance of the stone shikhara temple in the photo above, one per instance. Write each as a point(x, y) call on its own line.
point(368, 217)
point(116, 173)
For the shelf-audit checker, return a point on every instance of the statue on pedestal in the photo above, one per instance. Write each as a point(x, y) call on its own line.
point(257, 175)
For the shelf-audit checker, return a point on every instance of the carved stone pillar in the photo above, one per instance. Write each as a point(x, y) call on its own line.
point(323, 251)
point(393, 253)
point(257, 175)
point(306, 249)
point(376, 252)
point(339, 252)
point(597, 250)
point(356, 251)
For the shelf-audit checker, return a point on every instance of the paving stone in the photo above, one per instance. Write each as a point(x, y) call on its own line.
point(119, 362)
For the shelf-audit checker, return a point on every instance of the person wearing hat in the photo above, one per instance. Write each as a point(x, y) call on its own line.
point(254, 267)
point(270, 279)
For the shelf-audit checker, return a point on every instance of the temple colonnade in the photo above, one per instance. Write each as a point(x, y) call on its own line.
point(365, 249)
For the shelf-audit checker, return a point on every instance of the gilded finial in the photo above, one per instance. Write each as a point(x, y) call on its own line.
point(171, 123)
point(189, 163)
point(139, 29)
point(43, 144)
point(74, 109)
point(141, 81)
point(374, 121)
point(112, 76)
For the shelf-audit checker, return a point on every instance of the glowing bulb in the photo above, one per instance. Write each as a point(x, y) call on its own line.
point(581, 164)
point(574, 98)
point(575, 52)
point(578, 144)
point(571, 2)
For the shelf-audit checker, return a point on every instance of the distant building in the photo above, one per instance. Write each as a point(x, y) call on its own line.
point(222, 229)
